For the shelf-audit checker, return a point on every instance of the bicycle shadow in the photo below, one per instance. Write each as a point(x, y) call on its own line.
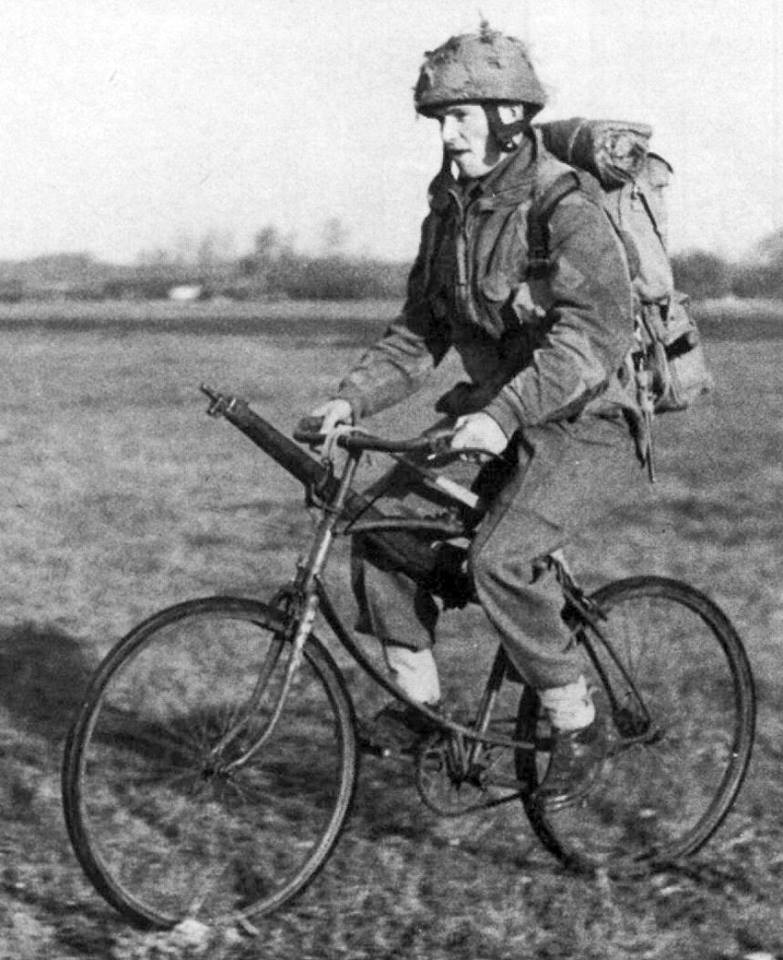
point(388, 809)
point(43, 672)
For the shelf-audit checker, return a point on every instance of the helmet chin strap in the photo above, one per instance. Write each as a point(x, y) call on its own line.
point(504, 133)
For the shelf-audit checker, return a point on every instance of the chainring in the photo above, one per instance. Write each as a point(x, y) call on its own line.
point(452, 782)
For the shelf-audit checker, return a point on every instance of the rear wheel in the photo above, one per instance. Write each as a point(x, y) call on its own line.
point(170, 810)
point(679, 712)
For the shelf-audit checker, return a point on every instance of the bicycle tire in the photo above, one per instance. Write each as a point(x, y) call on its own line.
point(669, 781)
point(160, 826)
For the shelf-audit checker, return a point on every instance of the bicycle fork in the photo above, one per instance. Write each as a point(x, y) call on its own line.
point(302, 602)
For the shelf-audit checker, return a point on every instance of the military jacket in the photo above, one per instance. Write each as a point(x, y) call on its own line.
point(538, 342)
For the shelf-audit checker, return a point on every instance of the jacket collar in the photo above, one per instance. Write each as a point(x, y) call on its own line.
point(511, 182)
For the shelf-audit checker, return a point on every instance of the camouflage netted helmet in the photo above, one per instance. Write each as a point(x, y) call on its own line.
point(487, 67)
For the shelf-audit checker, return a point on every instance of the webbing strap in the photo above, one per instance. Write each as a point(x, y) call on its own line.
point(538, 222)
point(504, 133)
point(648, 210)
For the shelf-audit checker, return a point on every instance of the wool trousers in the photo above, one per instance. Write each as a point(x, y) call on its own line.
point(553, 480)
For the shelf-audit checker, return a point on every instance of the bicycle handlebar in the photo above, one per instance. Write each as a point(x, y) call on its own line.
point(408, 551)
point(436, 442)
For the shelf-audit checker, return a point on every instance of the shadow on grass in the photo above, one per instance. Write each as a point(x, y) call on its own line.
point(714, 877)
point(178, 755)
point(43, 673)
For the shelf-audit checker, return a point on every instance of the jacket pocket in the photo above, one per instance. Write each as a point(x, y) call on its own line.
point(496, 287)
point(495, 291)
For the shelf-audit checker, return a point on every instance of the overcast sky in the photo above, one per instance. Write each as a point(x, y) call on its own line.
point(129, 124)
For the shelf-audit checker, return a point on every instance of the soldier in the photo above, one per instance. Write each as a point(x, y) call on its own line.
point(543, 347)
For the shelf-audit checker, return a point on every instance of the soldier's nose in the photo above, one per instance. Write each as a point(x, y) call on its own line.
point(449, 131)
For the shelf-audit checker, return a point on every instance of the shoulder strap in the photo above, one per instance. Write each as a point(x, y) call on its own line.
point(642, 195)
point(538, 217)
point(542, 208)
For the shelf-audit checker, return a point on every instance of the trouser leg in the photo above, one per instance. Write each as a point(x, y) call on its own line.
point(392, 607)
point(395, 609)
point(525, 613)
point(565, 475)
point(402, 615)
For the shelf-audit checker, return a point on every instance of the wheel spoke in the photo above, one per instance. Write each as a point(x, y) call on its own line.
point(662, 792)
point(162, 824)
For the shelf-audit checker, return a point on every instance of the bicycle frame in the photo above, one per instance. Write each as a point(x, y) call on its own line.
point(309, 593)
point(300, 601)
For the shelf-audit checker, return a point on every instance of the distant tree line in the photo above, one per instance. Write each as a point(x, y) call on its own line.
point(206, 268)
point(706, 275)
point(275, 269)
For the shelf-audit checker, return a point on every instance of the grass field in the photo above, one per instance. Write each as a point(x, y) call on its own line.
point(121, 497)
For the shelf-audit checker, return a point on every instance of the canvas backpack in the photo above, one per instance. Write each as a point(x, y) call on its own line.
point(668, 359)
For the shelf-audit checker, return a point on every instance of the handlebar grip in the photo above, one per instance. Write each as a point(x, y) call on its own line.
point(309, 439)
point(429, 443)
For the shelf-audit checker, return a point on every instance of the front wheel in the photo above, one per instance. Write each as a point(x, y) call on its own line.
point(174, 805)
point(674, 691)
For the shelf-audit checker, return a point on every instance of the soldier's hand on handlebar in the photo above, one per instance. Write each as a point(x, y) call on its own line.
point(318, 425)
point(479, 431)
point(326, 417)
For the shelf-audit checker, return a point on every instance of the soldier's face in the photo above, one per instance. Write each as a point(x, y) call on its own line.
point(464, 130)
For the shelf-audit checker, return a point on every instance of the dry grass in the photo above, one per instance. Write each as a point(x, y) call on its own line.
point(120, 497)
